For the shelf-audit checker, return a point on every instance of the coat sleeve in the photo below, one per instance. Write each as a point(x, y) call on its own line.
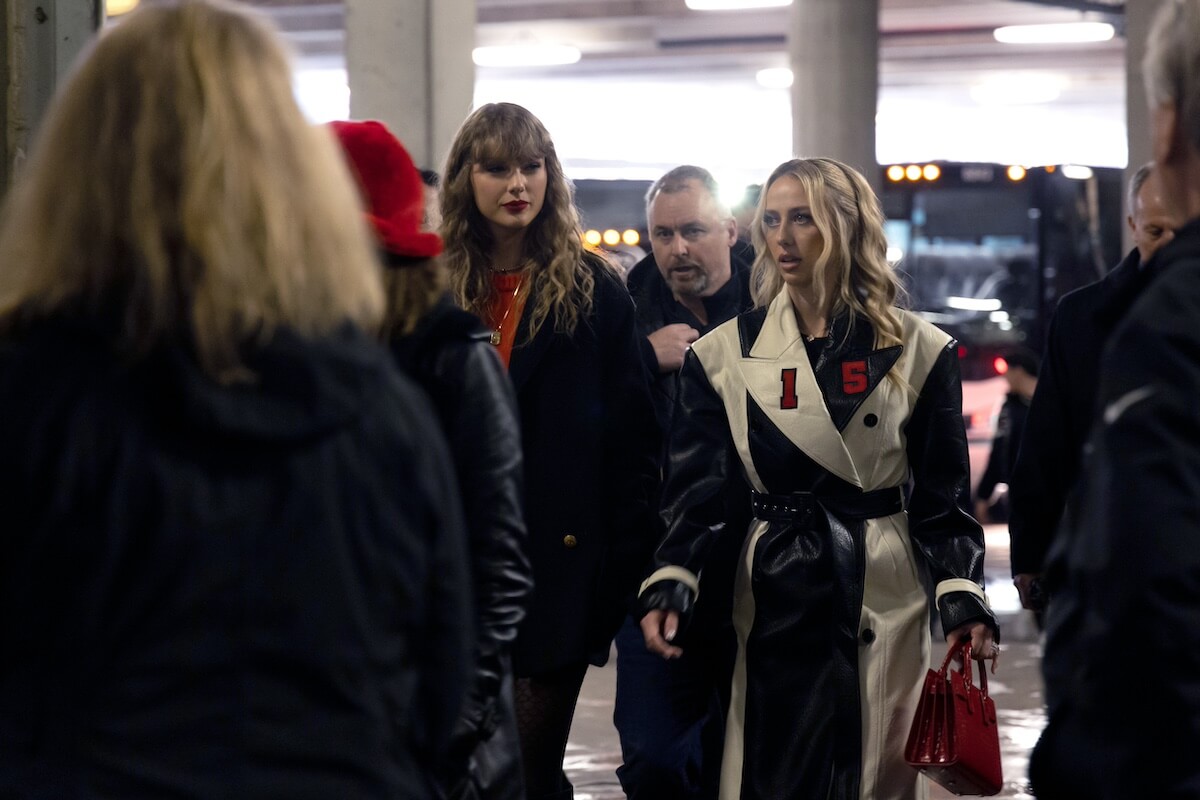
point(701, 463)
point(947, 536)
point(633, 443)
point(480, 419)
point(443, 651)
point(1047, 461)
point(996, 472)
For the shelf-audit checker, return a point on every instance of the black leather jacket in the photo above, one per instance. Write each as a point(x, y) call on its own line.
point(450, 357)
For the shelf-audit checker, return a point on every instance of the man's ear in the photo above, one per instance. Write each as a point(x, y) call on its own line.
point(731, 231)
point(1167, 140)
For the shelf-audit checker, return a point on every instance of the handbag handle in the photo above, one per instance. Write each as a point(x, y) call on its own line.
point(963, 648)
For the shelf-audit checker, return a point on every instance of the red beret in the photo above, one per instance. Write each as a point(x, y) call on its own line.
point(391, 186)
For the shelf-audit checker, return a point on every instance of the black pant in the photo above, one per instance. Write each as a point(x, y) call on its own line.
point(669, 717)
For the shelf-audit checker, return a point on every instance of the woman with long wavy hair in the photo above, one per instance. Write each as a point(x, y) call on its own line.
point(233, 559)
point(843, 414)
point(563, 323)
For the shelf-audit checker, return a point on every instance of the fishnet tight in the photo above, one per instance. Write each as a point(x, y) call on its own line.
point(545, 709)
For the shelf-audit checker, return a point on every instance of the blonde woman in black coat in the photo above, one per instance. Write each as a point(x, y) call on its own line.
point(232, 558)
point(564, 324)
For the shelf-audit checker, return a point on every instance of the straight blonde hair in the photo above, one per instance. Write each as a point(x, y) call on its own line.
point(177, 191)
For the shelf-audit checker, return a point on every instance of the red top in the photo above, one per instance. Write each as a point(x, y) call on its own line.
point(504, 312)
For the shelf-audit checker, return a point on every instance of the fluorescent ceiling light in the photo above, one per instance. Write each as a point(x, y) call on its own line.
point(734, 5)
point(774, 77)
point(525, 55)
point(1077, 172)
point(1055, 33)
point(115, 8)
point(974, 303)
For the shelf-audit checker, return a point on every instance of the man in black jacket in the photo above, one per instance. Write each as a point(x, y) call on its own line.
point(1060, 413)
point(1122, 663)
point(696, 276)
point(668, 714)
point(1021, 374)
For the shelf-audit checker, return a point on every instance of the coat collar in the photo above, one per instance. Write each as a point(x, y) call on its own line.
point(809, 427)
point(824, 406)
point(527, 354)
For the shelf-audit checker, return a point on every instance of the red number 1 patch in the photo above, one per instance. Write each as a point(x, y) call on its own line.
point(789, 399)
point(854, 377)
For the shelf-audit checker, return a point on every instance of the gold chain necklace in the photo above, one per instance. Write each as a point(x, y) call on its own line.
point(516, 295)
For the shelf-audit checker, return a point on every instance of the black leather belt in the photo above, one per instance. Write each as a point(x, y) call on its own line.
point(858, 505)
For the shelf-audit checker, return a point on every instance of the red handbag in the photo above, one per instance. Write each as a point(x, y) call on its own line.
point(954, 739)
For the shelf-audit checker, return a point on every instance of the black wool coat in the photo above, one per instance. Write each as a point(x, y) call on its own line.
point(207, 590)
point(1061, 411)
point(657, 308)
point(591, 478)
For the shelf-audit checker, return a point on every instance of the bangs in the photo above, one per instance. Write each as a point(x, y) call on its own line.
point(514, 143)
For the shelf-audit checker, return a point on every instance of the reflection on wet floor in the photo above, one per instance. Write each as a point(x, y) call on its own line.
point(594, 753)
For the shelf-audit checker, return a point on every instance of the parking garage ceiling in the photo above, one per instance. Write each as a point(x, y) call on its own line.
point(923, 43)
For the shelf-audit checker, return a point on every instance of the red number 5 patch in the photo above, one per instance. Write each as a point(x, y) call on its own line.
point(854, 377)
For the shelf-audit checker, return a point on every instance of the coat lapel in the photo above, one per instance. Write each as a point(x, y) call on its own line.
point(779, 349)
point(526, 354)
point(850, 368)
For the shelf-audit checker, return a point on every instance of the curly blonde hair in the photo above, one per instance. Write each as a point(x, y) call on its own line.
point(854, 257)
point(177, 189)
point(563, 284)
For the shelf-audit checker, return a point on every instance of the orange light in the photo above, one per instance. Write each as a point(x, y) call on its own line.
point(1016, 173)
point(593, 238)
point(612, 238)
point(1000, 364)
point(912, 172)
point(1051, 168)
point(931, 172)
point(631, 237)
point(895, 173)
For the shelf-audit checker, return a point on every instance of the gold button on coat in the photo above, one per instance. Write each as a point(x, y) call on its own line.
point(569, 540)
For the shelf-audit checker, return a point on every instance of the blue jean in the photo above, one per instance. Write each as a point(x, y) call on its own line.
point(669, 719)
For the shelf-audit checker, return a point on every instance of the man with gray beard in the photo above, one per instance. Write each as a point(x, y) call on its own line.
point(696, 276)
point(669, 714)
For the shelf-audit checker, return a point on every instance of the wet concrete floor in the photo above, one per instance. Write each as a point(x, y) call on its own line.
point(594, 753)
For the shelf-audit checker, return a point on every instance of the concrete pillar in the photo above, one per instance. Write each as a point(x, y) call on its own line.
point(409, 65)
point(834, 49)
point(41, 40)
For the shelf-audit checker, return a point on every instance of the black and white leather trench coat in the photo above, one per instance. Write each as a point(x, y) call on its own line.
point(857, 477)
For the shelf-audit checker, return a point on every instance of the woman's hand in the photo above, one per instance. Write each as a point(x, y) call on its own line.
point(659, 628)
point(983, 646)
